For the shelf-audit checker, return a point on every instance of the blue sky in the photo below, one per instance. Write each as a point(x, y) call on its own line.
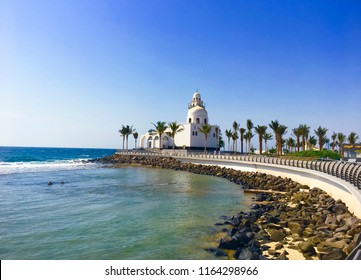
point(72, 72)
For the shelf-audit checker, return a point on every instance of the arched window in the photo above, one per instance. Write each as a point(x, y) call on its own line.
point(165, 138)
point(193, 133)
point(205, 121)
point(150, 138)
point(189, 120)
point(214, 135)
point(196, 133)
point(197, 120)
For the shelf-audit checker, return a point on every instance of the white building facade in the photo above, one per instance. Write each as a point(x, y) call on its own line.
point(189, 138)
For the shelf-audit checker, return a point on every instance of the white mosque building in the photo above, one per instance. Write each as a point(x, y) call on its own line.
point(189, 138)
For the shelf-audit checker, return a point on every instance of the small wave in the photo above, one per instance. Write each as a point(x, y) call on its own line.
point(36, 166)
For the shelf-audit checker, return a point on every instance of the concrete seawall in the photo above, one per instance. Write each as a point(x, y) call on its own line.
point(335, 187)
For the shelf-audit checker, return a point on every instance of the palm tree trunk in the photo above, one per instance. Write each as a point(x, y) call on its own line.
point(205, 144)
point(126, 142)
point(260, 145)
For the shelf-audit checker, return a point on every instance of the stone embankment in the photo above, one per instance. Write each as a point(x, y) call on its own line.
point(287, 217)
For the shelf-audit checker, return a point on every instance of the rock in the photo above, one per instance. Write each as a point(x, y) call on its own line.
point(342, 229)
point(276, 235)
point(273, 220)
point(243, 237)
point(350, 247)
point(50, 183)
point(296, 238)
point(307, 232)
point(315, 240)
point(220, 253)
point(324, 248)
point(283, 255)
point(274, 226)
point(292, 225)
point(244, 254)
point(336, 254)
point(306, 247)
point(234, 221)
point(338, 244)
point(279, 246)
point(331, 220)
point(272, 252)
point(342, 217)
point(228, 243)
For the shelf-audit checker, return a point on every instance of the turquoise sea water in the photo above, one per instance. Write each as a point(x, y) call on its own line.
point(92, 212)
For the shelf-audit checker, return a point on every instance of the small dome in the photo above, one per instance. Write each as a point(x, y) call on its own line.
point(196, 95)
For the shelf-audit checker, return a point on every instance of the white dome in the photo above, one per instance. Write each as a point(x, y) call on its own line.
point(197, 114)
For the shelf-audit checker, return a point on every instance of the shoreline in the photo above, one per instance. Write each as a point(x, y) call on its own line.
point(287, 221)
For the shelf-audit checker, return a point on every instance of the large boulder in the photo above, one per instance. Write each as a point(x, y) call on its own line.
point(336, 254)
point(306, 247)
point(276, 234)
point(228, 243)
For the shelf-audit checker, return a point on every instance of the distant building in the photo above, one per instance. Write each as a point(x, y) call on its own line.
point(352, 152)
point(189, 138)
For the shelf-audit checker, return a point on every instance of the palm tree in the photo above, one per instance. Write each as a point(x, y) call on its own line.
point(290, 143)
point(282, 131)
point(305, 131)
point(279, 130)
point(352, 138)
point(274, 125)
point(205, 129)
point(241, 132)
point(135, 135)
point(217, 136)
point(234, 138)
point(123, 132)
point(297, 133)
point(174, 129)
point(221, 142)
point(235, 126)
point(312, 141)
point(229, 134)
point(249, 130)
point(266, 137)
point(334, 142)
point(341, 140)
point(261, 131)
point(321, 134)
point(248, 136)
point(129, 131)
point(160, 128)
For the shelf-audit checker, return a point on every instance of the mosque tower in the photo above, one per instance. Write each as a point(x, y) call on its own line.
point(197, 112)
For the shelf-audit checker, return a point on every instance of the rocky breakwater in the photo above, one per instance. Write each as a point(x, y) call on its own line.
point(286, 221)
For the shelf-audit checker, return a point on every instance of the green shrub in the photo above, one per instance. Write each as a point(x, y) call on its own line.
point(314, 154)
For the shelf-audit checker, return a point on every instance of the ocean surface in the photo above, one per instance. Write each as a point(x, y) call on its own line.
point(92, 212)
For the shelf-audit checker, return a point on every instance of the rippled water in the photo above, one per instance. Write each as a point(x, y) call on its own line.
point(104, 213)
